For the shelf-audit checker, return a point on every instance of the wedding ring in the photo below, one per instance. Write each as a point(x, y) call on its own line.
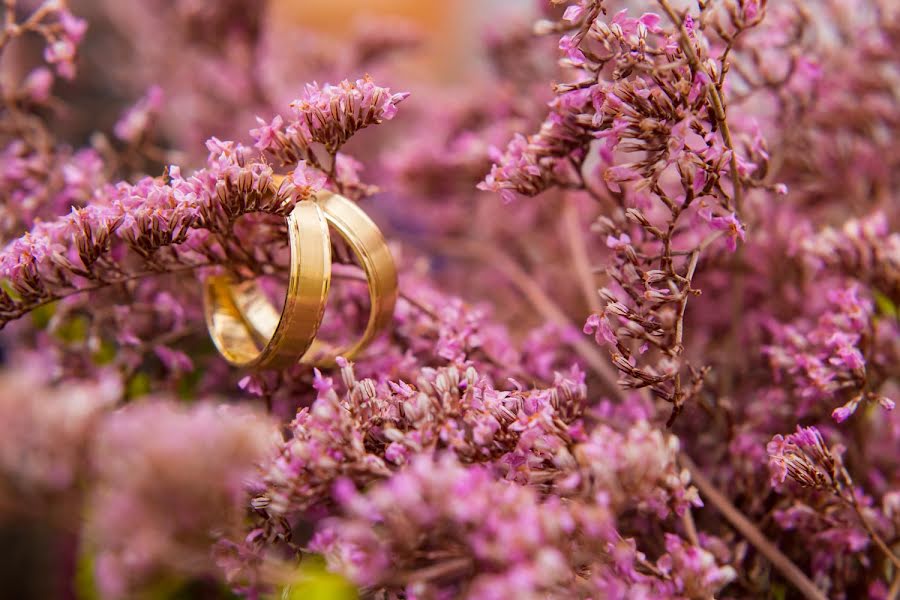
point(368, 244)
point(233, 309)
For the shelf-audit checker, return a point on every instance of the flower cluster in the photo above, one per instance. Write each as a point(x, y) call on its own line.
point(174, 479)
point(442, 409)
point(44, 457)
point(502, 534)
point(827, 361)
point(865, 249)
point(157, 224)
point(503, 539)
point(656, 135)
point(806, 459)
point(328, 115)
point(384, 430)
point(850, 522)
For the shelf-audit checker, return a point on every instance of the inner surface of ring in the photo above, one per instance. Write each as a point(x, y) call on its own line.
point(275, 339)
point(231, 334)
point(365, 240)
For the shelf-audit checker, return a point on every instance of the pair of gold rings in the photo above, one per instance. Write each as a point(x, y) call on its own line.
point(251, 333)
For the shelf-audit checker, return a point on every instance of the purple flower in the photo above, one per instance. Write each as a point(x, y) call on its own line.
point(198, 460)
point(266, 135)
point(38, 84)
point(598, 324)
point(136, 123)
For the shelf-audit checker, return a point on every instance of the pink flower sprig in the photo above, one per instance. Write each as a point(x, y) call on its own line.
point(41, 184)
point(807, 460)
point(828, 361)
point(168, 480)
point(381, 431)
point(443, 409)
point(865, 249)
point(638, 118)
point(504, 538)
point(153, 226)
point(134, 125)
point(637, 468)
point(44, 457)
point(62, 32)
point(328, 115)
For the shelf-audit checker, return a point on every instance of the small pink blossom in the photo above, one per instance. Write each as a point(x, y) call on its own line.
point(598, 324)
point(618, 243)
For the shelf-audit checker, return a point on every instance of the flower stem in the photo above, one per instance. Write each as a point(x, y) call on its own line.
point(782, 563)
point(715, 98)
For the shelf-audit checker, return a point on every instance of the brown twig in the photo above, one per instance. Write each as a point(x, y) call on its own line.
point(485, 251)
point(894, 592)
point(578, 249)
point(873, 535)
point(27, 308)
point(746, 528)
point(690, 527)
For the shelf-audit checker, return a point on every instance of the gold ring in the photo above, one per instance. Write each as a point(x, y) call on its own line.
point(295, 328)
point(371, 249)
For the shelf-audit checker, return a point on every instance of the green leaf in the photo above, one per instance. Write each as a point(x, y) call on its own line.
point(885, 305)
point(72, 330)
point(8, 288)
point(105, 353)
point(777, 591)
point(85, 584)
point(187, 384)
point(40, 317)
point(313, 582)
point(138, 385)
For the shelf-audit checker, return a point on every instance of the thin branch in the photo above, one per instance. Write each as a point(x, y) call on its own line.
point(454, 567)
point(715, 97)
point(782, 563)
point(578, 249)
point(894, 592)
point(25, 309)
point(879, 541)
point(690, 527)
point(679, 324)
point(540, 301)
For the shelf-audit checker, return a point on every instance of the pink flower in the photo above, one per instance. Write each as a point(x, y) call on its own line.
point(307, 180)
point(266, 135)
point(73, 27)
point(618, 243)
point(730, 224)
point(613, 176)
point(331, 114)
point(842, 413)
point(573, 13)
point(598, 324)
point(569, 45)
point(38, 84)
point(61, 54)
point(174, 360)
point(137, 121)
point(698, 87)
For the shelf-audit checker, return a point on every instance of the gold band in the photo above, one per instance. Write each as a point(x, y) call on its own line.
point(370, 247)
point(295, 328)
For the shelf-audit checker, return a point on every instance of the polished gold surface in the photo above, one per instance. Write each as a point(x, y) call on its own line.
point(244, 325)
point(370, 247)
